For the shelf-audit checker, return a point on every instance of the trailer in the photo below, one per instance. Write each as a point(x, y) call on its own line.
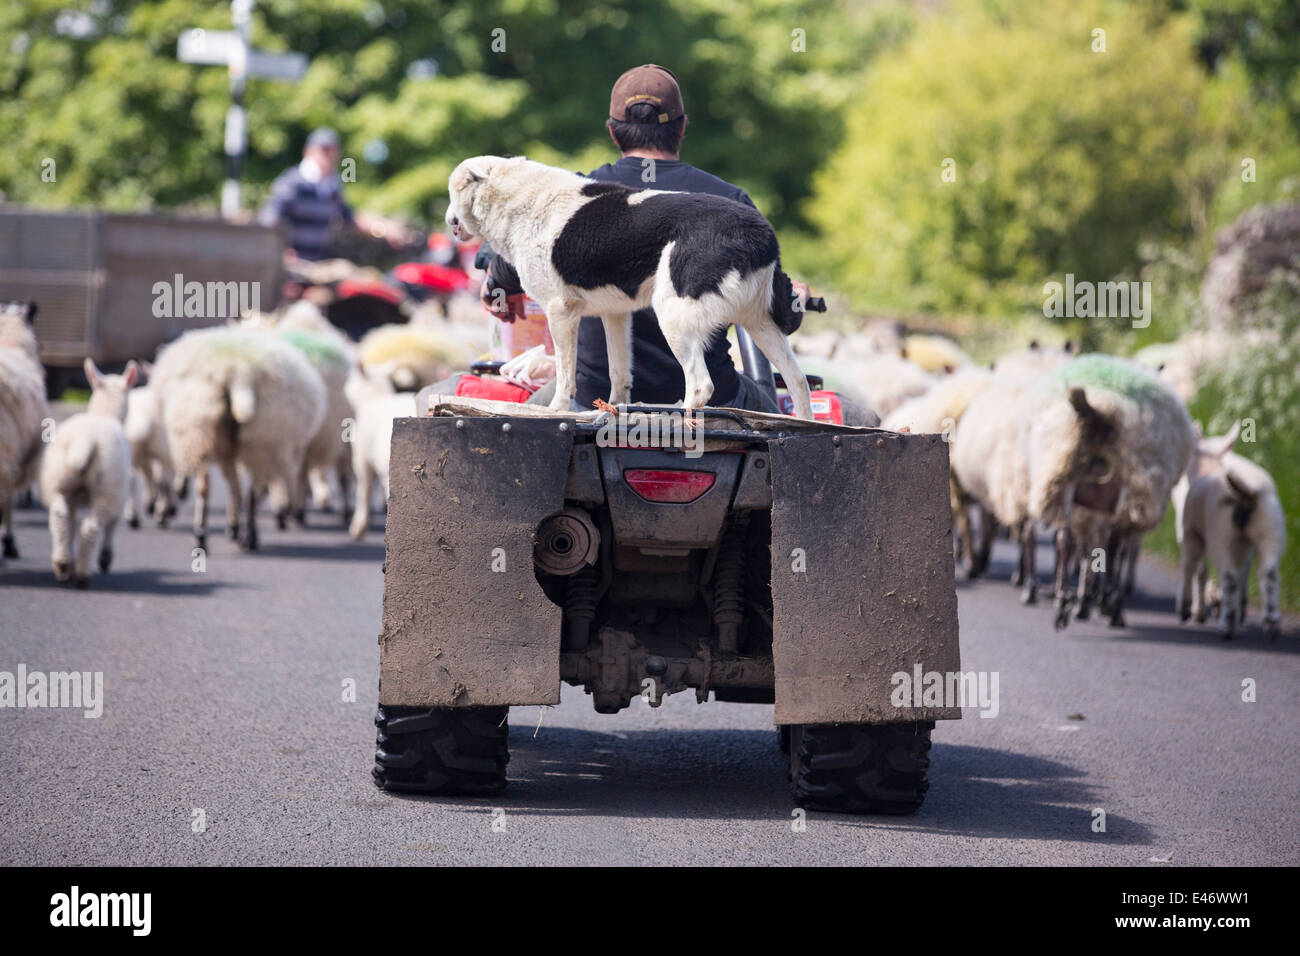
point(107, 283)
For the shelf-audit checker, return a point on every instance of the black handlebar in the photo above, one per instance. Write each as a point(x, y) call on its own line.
point(815, 303)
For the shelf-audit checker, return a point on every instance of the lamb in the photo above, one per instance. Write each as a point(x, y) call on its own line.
point(1105, 443)
point(23, 409)
point(153, 475)
point(1227, 510)
point(88, 465)
point(231, 397)
point(377, 404)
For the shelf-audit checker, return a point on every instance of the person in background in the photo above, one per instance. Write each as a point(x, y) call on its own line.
point(308, 200)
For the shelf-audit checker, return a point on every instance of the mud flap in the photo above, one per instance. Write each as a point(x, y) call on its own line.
point(862, 576)
point(465, 622)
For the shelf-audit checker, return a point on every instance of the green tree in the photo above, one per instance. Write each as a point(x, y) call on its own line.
point(101, 91)
point(1062, 154)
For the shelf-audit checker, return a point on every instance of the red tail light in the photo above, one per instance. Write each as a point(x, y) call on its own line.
point(677, 487)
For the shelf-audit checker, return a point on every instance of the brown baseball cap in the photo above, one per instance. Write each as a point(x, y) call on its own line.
point(647, 84)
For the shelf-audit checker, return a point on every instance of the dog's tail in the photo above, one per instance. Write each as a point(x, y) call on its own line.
point(784, 306)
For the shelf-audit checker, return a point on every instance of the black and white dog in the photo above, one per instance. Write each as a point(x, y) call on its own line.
point(583, 247)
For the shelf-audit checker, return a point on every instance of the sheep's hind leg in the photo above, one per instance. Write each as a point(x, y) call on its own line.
point(106, 548)
point(1270, 587)
point(248, 541)
point(234, 498)
point(10, 545)
point(92, 533)
point(1029, 561)
point(1229, 603)
point(202, 487)
point(61, 518)
point(135, 499)
point(1064, 558)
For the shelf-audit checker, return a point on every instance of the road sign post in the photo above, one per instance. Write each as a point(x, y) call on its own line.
point(233, 49)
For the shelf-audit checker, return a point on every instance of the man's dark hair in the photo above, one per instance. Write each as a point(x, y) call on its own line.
point(644, 132)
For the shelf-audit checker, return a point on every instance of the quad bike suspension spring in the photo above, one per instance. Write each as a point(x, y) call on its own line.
point(580, 607)
point(729, 585)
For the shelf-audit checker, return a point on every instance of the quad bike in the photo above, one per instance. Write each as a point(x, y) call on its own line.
point(357, 298)
point(764, 560)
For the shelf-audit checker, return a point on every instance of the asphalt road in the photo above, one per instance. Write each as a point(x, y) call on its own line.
point(223, 693)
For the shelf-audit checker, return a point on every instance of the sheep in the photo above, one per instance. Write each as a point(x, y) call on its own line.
point(1105, 442)
point(377, 404)
point(331, 353)
point(88, 464)
point(153, 475)
point(416, 355)
point(937, 412)
point(23, 409)
point(989, 467)
point(1228, 511)
point(878, 381)
point(934, 353)
point(231, 397)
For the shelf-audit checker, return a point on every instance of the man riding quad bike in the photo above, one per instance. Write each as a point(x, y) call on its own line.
point(646, 550)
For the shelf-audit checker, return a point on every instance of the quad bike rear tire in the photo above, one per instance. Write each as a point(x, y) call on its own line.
point(861, 768)
point(441, 751)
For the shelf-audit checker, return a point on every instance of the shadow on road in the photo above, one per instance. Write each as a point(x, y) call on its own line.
point(153, 581)
point(740, 774)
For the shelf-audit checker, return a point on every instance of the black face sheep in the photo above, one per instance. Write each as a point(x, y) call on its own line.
point(1106, 443)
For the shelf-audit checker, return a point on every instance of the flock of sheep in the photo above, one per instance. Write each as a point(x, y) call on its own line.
point(1090, 447)
point(282, 406)
point(1093, 448)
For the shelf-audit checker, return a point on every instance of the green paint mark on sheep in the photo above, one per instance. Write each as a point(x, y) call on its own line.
point(319, 349)
point(1105, 371)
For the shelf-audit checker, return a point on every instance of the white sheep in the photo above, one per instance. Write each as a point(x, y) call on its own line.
point(330, 352)
point(1105, 443)
point(937, 412)
point(22, 410)
point(1228, 511)
point(376, 405)
point(990, 468)
point(415, 355)
point(232, 397)
point(88, 465)
point(152, 476)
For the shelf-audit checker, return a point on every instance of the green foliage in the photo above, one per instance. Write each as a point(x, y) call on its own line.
point(1262, 386)
point(129, 126)
point(1065, 158)
point(1264, 35)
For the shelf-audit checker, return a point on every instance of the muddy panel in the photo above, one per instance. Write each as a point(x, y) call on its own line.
point(862, 576)
point(456, 632)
